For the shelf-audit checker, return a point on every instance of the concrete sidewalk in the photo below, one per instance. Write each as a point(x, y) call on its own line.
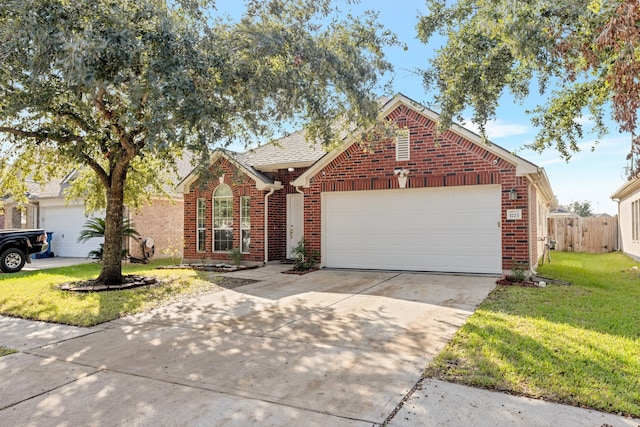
point(339, 348)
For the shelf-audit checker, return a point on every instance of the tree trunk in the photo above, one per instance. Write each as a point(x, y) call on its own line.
point(111, 273)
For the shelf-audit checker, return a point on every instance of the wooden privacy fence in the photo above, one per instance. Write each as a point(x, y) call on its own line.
point(595, 235)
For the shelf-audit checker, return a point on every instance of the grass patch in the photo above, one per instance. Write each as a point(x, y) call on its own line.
point(6, 351)
point(34, 294)
point(576, 344)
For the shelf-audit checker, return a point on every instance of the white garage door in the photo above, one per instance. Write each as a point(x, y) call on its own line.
point(452, 229)
point(66, 222)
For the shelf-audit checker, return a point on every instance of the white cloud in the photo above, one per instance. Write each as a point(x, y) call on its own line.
point(498, 129)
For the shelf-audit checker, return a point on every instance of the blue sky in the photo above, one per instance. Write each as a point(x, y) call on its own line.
point(589, 176)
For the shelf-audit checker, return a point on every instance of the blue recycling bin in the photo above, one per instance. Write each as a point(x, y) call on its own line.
point(48, 253)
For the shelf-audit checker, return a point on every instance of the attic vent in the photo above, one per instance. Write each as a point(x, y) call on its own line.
point(402, 145)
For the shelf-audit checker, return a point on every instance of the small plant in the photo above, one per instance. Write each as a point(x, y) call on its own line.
point(305, 257)
point(518, 272)
point(173, 249)
point(236, 256)
point(95, 227)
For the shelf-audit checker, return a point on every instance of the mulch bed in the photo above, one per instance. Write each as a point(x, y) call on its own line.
point(300, 272)
point(523, 284)
point(128, 282)
point(218, 268)
point(134, 281)
point(538, 282)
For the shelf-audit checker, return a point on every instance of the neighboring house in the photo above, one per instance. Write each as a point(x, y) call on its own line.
point(602, 215)
point(628, 198)
point(162, 220)
point(562, 213)
point(467, 206)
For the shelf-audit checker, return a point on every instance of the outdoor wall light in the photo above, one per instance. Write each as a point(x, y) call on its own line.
point(513, 194)
point(291, 169)
point(402, 175)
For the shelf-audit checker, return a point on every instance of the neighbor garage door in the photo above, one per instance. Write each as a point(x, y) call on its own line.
point(449, 229)
point(66, 222)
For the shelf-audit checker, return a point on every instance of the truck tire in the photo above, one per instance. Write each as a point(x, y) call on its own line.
point(12, 260)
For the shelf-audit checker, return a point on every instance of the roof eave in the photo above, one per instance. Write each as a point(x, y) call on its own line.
point(541, 181)
point(277, 166)
point(186, 183)
point(626, 189)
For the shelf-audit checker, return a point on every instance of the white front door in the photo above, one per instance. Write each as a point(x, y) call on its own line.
point(295, 223)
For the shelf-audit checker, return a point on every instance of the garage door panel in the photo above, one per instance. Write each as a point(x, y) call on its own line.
point(66, 223)
point(430, 229)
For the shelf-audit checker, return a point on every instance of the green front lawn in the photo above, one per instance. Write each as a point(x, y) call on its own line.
point(34, 294)
point(576, 344)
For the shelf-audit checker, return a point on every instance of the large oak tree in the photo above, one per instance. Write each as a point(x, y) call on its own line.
point(122, 88)
point(586, 53)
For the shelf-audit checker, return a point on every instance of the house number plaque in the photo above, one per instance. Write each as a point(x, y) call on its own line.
point(514, 213)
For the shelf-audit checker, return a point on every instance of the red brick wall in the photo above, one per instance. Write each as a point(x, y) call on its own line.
point(453, 161)
point(162, 220)
point(241, 185)
point(278, 213)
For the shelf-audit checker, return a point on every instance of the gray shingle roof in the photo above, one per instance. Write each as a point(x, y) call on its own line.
point(291, 149)
point(54, 188)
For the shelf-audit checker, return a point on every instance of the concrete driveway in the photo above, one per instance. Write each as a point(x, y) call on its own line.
point(327, 348)
point(330, 347)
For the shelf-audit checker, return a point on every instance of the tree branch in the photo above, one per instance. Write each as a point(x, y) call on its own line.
point(43, 136)
point(40, 136)
point(125, 140)
point(75, 118)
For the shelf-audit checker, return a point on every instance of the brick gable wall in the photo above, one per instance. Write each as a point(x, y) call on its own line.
point(453, 161)
point(241, 185)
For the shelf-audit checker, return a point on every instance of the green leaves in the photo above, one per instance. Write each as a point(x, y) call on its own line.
point(122, 88)
point(581, 50)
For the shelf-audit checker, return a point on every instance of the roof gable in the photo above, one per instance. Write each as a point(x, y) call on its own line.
point(523, 167)
point(262, 181)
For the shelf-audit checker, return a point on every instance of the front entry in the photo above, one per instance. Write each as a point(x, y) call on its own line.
point(295, 223)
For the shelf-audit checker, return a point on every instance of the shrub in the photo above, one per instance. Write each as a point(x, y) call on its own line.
point(305, 257)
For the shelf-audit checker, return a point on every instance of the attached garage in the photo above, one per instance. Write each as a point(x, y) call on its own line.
point(446, 229)
point(66, 223)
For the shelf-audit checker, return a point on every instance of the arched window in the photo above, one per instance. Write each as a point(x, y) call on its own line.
point(222, 218)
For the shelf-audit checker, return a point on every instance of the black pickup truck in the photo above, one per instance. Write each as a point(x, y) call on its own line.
point(16, 246)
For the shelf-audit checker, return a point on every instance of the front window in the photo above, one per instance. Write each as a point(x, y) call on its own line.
point(245, 224)
point(202, 227)
point(223, 218)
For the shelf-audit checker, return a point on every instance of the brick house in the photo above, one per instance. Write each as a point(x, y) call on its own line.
point(461, 205)
point(47, 207)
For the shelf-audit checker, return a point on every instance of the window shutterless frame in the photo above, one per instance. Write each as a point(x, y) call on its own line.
point(245, 224)
point(222, 218)
point(201, 214)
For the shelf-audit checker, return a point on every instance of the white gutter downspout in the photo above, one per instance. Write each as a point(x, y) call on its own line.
point(277, 185)
point(266, 224)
